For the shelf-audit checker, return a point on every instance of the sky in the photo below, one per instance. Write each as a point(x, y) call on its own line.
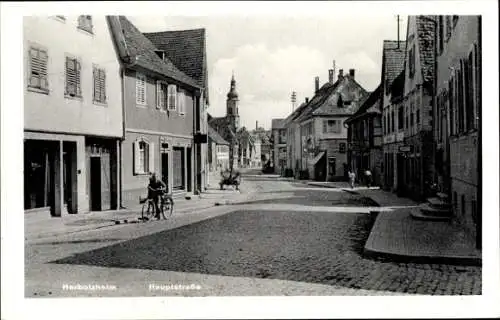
point(273, 55)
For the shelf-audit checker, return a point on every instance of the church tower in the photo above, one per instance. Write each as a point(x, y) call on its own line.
point(232, 106)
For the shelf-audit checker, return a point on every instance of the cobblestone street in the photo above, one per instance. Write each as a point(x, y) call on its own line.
point(262, 239)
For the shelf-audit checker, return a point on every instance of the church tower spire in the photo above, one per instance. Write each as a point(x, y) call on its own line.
point(232, 104)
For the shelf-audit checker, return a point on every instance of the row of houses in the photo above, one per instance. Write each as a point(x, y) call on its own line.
point(419, 131)
point(105, 105)
point(311, 143)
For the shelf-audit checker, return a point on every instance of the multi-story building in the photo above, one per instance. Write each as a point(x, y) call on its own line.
point(364, 138)
point(416, 153)
point(393, 58)
point(279, 145)
point(187, 51)
point(159, 103)
point(293, 141)
point(218, 151)
point(322, 126)
point(457, 117)
point(73, 123)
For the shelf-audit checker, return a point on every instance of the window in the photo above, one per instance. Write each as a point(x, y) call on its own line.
point(451, 95)
point(140, 89)
point(441, 34)
point(412, 61)
point(392, 121)
point(85, 23)
point(477, 84)
point(99, 85)
point(60, 18)
point(455, 20)
point(143, 157)
point(448, 27)
point(38, 69)
point(418, 117)
point(181, 102)
point(331, 126)
point(469, 94)
point(460, 104)
point(172, 97)
point(161, 95)
point(342, 147)
point(73, 77)
point(400, 117)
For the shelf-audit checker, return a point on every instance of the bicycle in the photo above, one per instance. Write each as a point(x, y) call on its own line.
point(166, 206)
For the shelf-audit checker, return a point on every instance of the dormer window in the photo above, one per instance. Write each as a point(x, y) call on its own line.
point(85, 23)
point(161, 54)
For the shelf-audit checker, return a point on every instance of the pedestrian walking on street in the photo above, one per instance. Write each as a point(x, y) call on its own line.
point(352, 177)
point(368, 178)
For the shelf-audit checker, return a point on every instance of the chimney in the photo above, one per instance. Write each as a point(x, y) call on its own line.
point(351, 73)
point(330, 76)
point(316, 84)
point(341, 74)
point(307, 99)
point(256, 125)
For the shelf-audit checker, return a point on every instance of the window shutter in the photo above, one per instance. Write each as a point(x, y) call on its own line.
point(102, 79)
point(158, 95)
point(135, 151)
point(325, 126)
point(70, 76)
point(78, 78)
point(151, 149)
point(172, 95)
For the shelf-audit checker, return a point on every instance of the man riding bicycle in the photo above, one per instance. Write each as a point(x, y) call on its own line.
point(156, 188)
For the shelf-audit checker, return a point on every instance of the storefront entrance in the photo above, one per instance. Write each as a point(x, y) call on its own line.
point(178, 168)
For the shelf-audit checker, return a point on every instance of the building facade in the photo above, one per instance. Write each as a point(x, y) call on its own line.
point(159, 103)
point(279, 137)
point(458, 117)
point(187, 51)
point(72, 115)
point(364, 138)
point(393, 59)
point(419, 89)
point(322, 126)
point(218, 151)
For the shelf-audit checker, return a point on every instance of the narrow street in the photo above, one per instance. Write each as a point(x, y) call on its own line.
point(286, 239)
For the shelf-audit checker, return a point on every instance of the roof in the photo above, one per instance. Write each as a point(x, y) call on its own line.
point(398, 85)
point(370, 105)
point(278, 123)
point(393, 59)
point(186, 49)
point(425, 35)
point(320, 96)
point(216, 137)
point(137, 50)
point(347, 89)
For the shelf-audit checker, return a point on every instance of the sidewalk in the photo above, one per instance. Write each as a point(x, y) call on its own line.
point(398, 237)
point(37, 226)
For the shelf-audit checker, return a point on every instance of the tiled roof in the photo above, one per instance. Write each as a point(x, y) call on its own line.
point(350, 90)
point(320, 96)
point(370, 105)
point(216, 137)
point(142, 54)
point(277, 123)
point(398, 85)
point(186, 49)
point(425, 35)
point(394, 58)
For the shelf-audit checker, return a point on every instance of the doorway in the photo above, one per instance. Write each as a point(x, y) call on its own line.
point(188, 168)
point(69, 176)
point(401, 191)
point(95, 183)
point(164, 169)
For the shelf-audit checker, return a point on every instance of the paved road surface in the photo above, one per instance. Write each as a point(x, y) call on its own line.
point(286, 240)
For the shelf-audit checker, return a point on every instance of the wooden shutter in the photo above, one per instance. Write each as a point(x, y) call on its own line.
point(140, 89)
point(73, 71)
point(172, 97)
point(135, 151)
point(325, 126)
point(151, 157)
point(102, 82)
point(159, 96)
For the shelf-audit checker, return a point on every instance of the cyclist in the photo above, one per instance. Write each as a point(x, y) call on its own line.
point(156, 188)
